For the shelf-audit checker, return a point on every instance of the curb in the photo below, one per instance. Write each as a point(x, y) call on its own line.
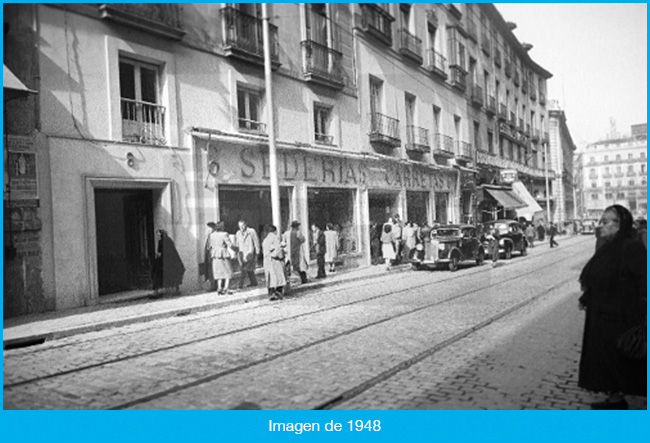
point(260, 294)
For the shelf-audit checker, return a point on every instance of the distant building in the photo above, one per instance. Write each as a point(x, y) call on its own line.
point(561, 151)
point(613, 172)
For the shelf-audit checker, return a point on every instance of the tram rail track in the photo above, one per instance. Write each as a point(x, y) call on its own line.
point(269, 323)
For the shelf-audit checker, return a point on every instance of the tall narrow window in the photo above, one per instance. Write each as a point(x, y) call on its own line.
point(249, 109)
point(409, 101)
point(322, 119)
point(142, 114)
point(318, 23)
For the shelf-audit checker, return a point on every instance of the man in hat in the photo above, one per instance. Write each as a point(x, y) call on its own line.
point(295, 242)
point(248, 247)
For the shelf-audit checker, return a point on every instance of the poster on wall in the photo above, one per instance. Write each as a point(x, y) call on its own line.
point(20, 179)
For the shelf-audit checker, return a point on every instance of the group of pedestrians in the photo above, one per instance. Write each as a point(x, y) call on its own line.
point(395, 241)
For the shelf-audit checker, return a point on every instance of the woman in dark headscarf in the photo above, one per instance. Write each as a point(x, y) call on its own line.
point(614, 285)
point(168, 267)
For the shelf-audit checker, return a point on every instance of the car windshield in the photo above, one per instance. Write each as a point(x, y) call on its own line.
point(447, 232)
point(502, 228)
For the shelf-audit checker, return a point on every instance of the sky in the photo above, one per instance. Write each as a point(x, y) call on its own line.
point(597, 53)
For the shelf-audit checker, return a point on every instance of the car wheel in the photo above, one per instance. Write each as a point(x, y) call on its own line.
point(508, 253)
point(453, 264)
point(480, 258)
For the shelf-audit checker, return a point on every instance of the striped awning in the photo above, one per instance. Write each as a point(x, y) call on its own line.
point(506, 198)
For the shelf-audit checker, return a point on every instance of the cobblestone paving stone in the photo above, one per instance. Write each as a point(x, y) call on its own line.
point(300, 380)
point(326, 369)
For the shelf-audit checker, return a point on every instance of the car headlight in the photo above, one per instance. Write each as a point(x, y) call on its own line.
point(442, 246)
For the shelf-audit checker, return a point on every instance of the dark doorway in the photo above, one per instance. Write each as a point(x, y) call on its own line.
point(125, 239)
point(252, 204)
point(442, 207)
point(381, 206)
point(417, 207)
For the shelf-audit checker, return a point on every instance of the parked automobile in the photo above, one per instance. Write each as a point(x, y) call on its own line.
point(588, 226)
point(512, 237)
point(449, 246)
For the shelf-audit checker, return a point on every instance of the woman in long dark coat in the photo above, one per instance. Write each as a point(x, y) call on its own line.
point(614, 285)
point(168, 268)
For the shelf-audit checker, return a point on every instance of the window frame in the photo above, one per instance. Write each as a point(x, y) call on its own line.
point(326, 136)
point(250, 91)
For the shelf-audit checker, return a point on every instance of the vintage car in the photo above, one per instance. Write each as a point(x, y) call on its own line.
point(511, 237)
point(588, 226)
point(449, 245)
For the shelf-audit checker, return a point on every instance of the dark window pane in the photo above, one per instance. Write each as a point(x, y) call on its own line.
point(241, 104)
point(149, 85)
point(127, 81)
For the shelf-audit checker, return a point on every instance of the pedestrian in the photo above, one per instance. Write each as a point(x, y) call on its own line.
point(168, 268)
point(614, 298)
point(530, 235)
point(375, 243)
point(388, 243)
point(409, 234)
point(319, 249)
point(274, 256)
point(398, 228)
point(248, 248)
point(541, 231)
point(491, 237)
point(331, 247)
point(221, 252)
point(552, 232)
point(296, 257)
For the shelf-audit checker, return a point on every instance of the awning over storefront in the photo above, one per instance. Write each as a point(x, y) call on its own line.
point(12, 87)
point(532, 207)
point(506, 198)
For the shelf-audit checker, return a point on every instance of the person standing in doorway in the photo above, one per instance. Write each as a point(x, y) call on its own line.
point(295, 242)
point(168, 268)
point(552, 232)
point(274, 255)
point(388, 243)
point(319, 248)
point(248, 247)
point(331, 247)
point(221, 252)
point(375, 243)
point(398, 236)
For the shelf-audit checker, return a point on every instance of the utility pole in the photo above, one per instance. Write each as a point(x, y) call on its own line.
point(548, 195)
point(273, 159)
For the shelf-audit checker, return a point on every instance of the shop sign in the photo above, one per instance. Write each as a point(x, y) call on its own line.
point(250, 164)
point(508, 176)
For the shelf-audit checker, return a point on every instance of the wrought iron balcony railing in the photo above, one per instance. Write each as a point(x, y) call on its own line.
point(143, 122)
point(377, 22)
point(476, 95)
point(384, 130)
point(443, 145)
point(503, 111)
point(417, 139)
point(464, 150)
point(458, 77)
point(242, 34)
point(410, 45)
point(322, 64)
point(491, 105)
point(497, 56)
point(437, 63)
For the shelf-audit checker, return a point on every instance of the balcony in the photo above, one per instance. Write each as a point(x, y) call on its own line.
point(491, 106)
point(533, 92)
point(524, 87)
point(464, 150)
point(253, 126)
point(486, 43)
point(513, 120)
point(322, 65)
point(384, 130)
point(243, 39)
point(542, 98)
point(143, 122)
point(458, 77)
point(503, 112)
point(437, 64)
point(508, 69)
point(443, 145)
point(377, 22)
point(417, 139)
point(471, 29)
point(162, 19)
point(410, 46)
point(497, 56)
point(476, 95)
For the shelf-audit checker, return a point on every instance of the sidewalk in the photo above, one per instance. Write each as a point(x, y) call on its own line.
point(35, 329)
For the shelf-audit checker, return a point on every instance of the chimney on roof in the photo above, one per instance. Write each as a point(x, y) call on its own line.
point(527, 46)
point(511, 25)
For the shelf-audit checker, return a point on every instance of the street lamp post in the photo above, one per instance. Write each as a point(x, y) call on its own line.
point(273, 162)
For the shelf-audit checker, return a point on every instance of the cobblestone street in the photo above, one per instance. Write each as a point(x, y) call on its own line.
point(480, 338)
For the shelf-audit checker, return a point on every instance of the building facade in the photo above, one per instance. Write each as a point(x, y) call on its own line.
point(154, 116)
point(614, 172)
point(561, 149)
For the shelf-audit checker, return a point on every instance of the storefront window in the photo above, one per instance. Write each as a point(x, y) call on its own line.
point(417, 207)
point(381, 206)
point(442, 204)
point(335, 206)
point(252, 204)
